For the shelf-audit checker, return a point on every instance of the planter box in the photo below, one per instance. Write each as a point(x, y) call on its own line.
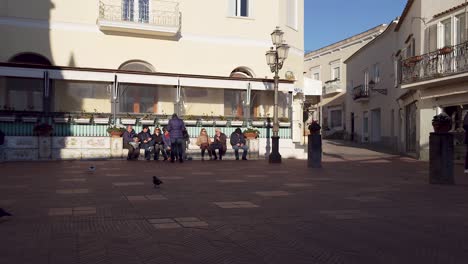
point(147, 122)
point(101, 120)
point(163, 121)
point(82, 120)
point(29, 119)
point(284, 124)
point(237, 123)
point(221, 123)
point(207, 123)
point(7, 118)
point(258, 123)
point(61, 120)
point(128, 121)
point(191, 122)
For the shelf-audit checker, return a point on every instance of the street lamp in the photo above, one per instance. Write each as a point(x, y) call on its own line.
point(275, 58)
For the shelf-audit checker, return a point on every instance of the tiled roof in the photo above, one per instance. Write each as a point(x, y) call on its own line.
point(450, 10)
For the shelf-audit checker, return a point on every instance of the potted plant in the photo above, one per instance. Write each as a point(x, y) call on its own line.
point(251, 133)
point(190, 120)
point(237, 122)
point(115, 131)
point(221, 121)
point(100, 118)
point(7, 114)
point(147, 119)
point(83, 118)
point(206, 120)
point(164, 120)
point(258, 122)
point(284, 122)
point(442, 123)
point(43, 130)
point(128, 119)
point(445, 50)
point(414, 59)
point(62, 118)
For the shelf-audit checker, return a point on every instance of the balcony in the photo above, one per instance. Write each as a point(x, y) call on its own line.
point(150, 17)
point(361, 93)
point(332, 87)
point(444, 66)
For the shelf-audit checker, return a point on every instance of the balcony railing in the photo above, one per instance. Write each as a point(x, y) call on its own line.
point(332, 86)
point(153, 16)
point(360, 92)
point(444, 62)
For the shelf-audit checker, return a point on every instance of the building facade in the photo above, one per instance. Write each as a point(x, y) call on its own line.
point(327, 65)
point(149, 57)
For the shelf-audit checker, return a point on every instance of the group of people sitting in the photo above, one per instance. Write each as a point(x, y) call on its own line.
point(174, 140)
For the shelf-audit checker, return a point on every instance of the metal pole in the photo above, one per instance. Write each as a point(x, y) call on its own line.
point(275, 156)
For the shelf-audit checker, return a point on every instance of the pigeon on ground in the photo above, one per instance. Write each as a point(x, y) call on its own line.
point(4, 213)
point(156, 181)
point(92, 168)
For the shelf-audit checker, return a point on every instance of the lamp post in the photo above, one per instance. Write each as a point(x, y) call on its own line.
point(275, 58)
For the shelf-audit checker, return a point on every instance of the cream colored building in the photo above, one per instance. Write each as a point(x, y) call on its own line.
point(326, 65)
point(200, 58)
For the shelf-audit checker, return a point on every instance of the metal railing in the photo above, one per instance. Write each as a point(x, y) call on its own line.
point(157, 13)
point(360, 92)
point(332, 86)
point(446, 61)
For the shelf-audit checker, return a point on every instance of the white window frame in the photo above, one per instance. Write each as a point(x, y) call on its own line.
point(366, 79)
point(292, 10)
point(316, 70)
point(235, 8)
point(376, 73)
point(335, 108)
point(333, 65)
point(441, 32)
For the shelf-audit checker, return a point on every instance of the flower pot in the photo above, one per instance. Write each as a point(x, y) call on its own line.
point(163, 122)
point(441, 127)
point(444, 51)
point(116, 133)
point(221, 122)
point(237, 123)
point(101, 120)
point(258, 123)
point(7, 118)
point(207, 122)
point(128, 121)
point(284, 124)
point(250, 135)
point(29, 119)
point(61, 120)
point(83, 120)
point(415, 59)
point(146, 122)
point(190, 122)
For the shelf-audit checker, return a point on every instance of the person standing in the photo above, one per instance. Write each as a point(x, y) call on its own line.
point(219, 143)
point(238, 142)
point(127, 138)
point(146, 142)
point(158, 144)
point(204, 141)
point(176, 127)
point(465, 127)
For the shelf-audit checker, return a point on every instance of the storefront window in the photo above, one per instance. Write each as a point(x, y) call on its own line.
point(138, 98)
point(202, 101)
point(77, 96)
point(262, 104)
point(234, 101)
point(21, 94)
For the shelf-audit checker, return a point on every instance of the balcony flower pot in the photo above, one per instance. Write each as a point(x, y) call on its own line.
point(115, 131)
point(258, 123)
point(128, 121)
point(237, 123)
point(251, 133)
point(61, 119)
point(29, 119)
point(163, 122)
point(207, 122)
point(7, 118)
point(221, 122)
point(82, 120)
point(190, 122)
point(147, 121)
point(445, 50)
point(284, 124)
point(101, 120)
point(415, 59)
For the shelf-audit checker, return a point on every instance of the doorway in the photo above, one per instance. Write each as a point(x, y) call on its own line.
point(411, 128)
point(375, 126)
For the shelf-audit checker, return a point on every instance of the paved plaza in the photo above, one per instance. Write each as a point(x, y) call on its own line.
point(361, 207)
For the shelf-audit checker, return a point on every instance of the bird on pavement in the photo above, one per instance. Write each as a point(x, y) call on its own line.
point(156, 182)
point(4, 213)
point(92, 168)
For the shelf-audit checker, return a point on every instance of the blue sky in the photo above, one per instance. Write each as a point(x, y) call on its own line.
point(330, 21)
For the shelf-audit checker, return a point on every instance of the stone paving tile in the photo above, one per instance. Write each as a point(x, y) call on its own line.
point(72, 191)
point(128, 183)
point(367, 199)
point(167, 226)
point(171, 177)
point(161, 221)
point(60, 211)
point(239, 204)
point(256, 176)
point(298, 185)
point(17, 186)
point(76, 211)
point(194, 224)
point(273, 193)
point(137, 198)
point(346, 214)
point(117, 175)
point(186, 219)
point(155, 197)
point(231, 181)
point(73, 180)
point(202, 173)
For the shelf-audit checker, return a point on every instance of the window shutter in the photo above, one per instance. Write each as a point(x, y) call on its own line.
point(232, 7)
point(431, 40)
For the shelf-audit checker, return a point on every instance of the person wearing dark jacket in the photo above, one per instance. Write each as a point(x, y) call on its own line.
point(127, 138)
point(146, 142)
point(219, 143)
point(238, 142)
point(158, 144)
point(176, 127)
point(167, 141)
point(465, 127)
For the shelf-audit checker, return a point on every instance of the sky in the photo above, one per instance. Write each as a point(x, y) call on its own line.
point(330, 21)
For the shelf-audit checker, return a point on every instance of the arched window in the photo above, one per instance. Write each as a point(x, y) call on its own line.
point(137, 65)
point(30, 58)
point(242, 72)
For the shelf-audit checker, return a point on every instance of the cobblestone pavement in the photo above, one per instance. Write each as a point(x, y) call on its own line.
point(361, 207)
